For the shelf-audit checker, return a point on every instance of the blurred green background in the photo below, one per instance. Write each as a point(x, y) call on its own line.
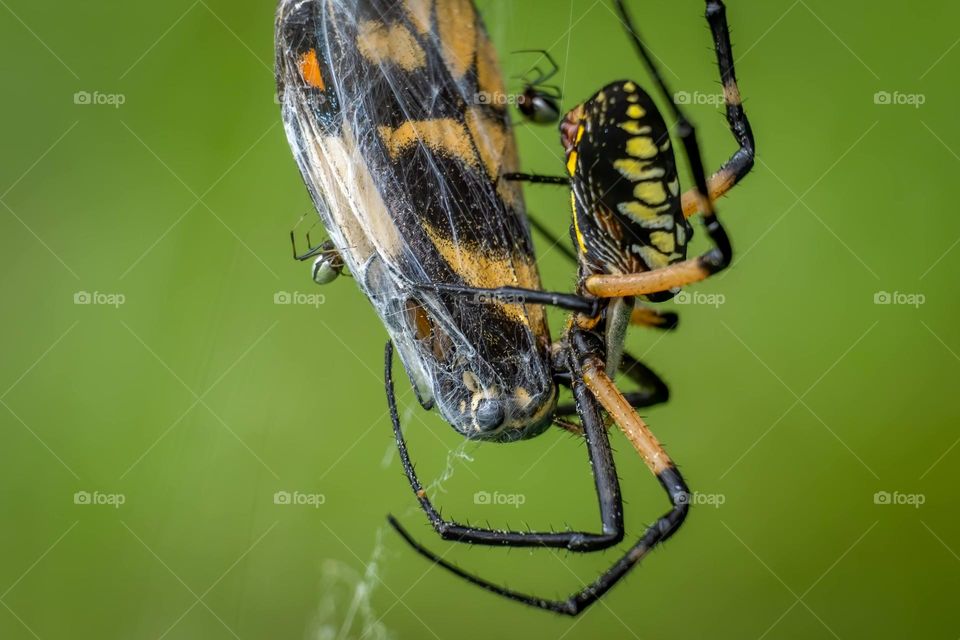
point(796, 396)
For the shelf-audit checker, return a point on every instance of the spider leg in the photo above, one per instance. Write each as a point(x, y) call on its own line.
point(601, 463)
point(312, 251)
point(535, 178)
point(555, 243)
point(519, 295)
point(541, 76)
point(549, 90)
point(654, 318)
point(740, 164)
point(652, 389)
point(602, 388)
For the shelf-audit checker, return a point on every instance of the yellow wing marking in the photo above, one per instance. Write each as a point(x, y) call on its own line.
point(489, 79)
point(419, 13)
point(458, 34)
point(490, 138)
point(485, 271)
point(444, 136)
point(380, 44)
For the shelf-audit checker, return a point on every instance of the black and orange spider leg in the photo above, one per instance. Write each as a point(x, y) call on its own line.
point(740, 164)
point(589, 371)
point(601, 464)
point(652, 390)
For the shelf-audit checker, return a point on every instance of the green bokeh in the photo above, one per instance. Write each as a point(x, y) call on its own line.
point(796, 400)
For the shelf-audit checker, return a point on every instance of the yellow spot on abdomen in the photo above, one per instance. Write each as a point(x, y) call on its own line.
point(572, 162)
point(633, 128)
point(653, 258)
point(642, 147)
point(647, 217)
point(651, 193)
point(663, 241)
point(635, 170)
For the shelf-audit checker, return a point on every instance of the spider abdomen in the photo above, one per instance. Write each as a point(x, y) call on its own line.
point(627, 213)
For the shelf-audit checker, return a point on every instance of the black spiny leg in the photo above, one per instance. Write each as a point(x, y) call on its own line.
point(653, 390)
point(601, 463)
point(603, 389)
point(740, 164)
point(518, 295)
point(535, 178)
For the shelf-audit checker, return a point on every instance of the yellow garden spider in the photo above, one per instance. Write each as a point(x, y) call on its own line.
point(631, 233)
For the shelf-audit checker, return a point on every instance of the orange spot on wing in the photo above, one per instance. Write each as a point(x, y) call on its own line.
point(310, 70)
